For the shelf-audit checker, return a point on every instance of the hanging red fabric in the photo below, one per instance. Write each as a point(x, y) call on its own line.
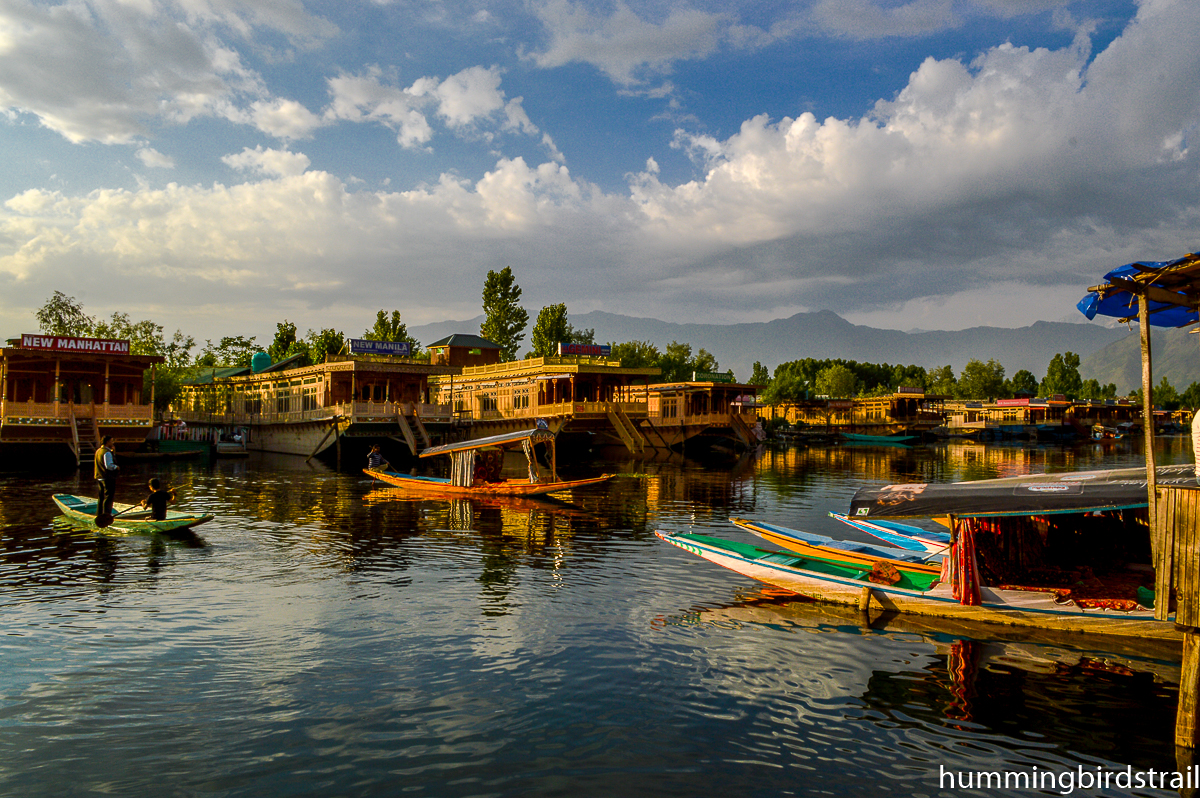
point(964, 570)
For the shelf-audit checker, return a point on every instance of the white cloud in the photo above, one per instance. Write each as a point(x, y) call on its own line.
point(155, 159)
point(363, 98)
point(866, 19)
point(469, 95)
point(273, 163)
point(623, 45)
point(284, 119)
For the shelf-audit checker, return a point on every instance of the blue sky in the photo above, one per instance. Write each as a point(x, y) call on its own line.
point(219, 166)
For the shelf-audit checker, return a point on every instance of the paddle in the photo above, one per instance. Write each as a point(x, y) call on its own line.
point(105, 520)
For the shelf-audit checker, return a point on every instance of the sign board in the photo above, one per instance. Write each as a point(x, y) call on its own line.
point(360, 346)
point(711, 376)
point(840, 404)
point(910, 389)
point(1012, 402)
point(590, 350)
point(64, 343)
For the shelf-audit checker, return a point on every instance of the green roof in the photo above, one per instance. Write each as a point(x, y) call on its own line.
point(464, 339)
point(210, 375)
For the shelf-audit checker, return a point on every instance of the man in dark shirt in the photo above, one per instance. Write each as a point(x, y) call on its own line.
point(157, 500)
point(105, 468)
point(375, 461)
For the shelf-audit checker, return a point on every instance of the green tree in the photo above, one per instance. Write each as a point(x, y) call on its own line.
point(323, 343)
point(550, 328)
point(676, 362)
point(635, 354)
point(1023, 382)
point(286, 344)
point(63, 315)
point(941, 382)
point(837, 381)
point(1092, 389)
point(1190, 397)
point(759, 374)
point(230, 351)
point(1062, 376)
point(390, 328)
point(1165, 395)
point(980, 380)
point(505, 320)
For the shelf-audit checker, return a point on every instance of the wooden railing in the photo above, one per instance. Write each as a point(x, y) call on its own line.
point(60, 412)
point(355, 411)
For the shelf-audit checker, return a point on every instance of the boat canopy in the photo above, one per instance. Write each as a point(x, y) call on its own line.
point(1035, 494)
point(532, 435)
point(1168, 286)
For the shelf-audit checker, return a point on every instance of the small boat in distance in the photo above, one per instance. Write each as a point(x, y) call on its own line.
point(475, 468)
point(81, 511)
point(880, 440)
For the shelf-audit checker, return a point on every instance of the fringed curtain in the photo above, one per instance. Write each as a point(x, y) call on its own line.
point(964, 568)
point(527, 446)
point(462, 468)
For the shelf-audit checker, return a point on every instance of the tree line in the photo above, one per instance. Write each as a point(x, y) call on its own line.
point(505, 322)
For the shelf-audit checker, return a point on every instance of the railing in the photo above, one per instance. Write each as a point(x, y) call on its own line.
point(357, 411)
point(60, 412)
point(705, 419)
point(538, 363)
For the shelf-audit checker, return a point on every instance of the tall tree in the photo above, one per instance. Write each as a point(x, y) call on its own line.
point(550, 328)
point(676, 362)
point(325, 342)
point(505, 320)
point(1062, 376)
point(759, 375)
point(837, 381)
point(981, 380)
point(941, 381)
point(1023, 382)
point(635, 354)
point(63, 315)
point(390, 328)
point(232, 350)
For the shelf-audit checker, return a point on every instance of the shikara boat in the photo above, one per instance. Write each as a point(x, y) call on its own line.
point(840, 552)
point(1066, 551)
point(880, 440)
point(475, 469)
point(126, 517)
point(904, 536)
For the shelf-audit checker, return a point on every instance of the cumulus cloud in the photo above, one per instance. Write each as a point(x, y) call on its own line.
point(155, 159)
point(623, 45)
point(284, 119)
point(274, 163)
point(466, 100)
point(1024, 166)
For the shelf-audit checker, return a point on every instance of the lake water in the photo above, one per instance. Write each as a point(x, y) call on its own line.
point(325, 636)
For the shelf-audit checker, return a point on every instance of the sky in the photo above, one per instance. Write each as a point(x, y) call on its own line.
point(220, 166)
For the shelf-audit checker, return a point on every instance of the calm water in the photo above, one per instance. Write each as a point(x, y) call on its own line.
point(324, 636)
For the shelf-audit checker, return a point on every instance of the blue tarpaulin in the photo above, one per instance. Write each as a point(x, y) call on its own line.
point(1121, 303)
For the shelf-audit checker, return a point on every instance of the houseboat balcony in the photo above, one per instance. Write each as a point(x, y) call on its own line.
point(559, 409)
point(539, 364)
point(62, 413)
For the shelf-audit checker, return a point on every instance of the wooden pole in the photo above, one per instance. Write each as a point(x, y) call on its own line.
point(1148, 407)
point(1189, 682)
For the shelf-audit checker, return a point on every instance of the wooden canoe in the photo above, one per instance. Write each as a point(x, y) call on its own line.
point(438, 486)
point(839, 552)
point(82, 511)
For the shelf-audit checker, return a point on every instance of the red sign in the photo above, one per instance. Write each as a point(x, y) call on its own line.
point(1012, 403)
point(63, 343)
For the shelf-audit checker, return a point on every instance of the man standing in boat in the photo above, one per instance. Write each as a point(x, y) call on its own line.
point(106, 476)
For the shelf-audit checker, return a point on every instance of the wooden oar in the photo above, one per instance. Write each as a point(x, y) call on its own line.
point(105, 519)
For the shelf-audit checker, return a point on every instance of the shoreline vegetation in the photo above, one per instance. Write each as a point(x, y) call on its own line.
point(505, 324)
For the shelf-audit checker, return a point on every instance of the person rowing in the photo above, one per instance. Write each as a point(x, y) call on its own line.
point(375, 461)
point(158, 500)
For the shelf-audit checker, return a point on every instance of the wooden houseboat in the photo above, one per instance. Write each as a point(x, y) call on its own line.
point(906, 412)
point(711, 410)
point(61, 394)
point(311, 409)
point(579, 396)
point(1036, 418)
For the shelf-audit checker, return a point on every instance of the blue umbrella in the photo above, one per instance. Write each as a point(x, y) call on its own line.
point(1161, 279)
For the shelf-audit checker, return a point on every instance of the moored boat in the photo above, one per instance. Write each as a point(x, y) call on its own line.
point(904, 536)
point(475, 469)
point(841, 552)
point(81, 510)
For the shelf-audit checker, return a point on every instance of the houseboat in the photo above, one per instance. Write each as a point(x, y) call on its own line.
point(582, 394)
point(62, 394)
point(908, 412)
point(711, 410)
point(308, 410)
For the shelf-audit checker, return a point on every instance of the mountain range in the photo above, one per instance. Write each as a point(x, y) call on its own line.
point(1104, 350)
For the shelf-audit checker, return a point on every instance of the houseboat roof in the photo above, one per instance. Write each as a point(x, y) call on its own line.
point(333, 364)
point(143, 361)
point(465, 339)
point(1033, 494)
point(535, 435)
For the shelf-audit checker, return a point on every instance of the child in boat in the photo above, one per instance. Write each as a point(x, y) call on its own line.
point(157, 500)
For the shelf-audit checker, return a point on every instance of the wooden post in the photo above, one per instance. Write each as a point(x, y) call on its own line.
point(57, 388)
point(1148, 405)
point(1189, 687)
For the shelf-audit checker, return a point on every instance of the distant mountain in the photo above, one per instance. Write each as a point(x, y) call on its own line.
point(1175, 354)
point(824, 334)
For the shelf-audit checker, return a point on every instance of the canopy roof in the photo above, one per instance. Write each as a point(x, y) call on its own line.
point(1035, 494)
point(1171, 287)
point(506, 439)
